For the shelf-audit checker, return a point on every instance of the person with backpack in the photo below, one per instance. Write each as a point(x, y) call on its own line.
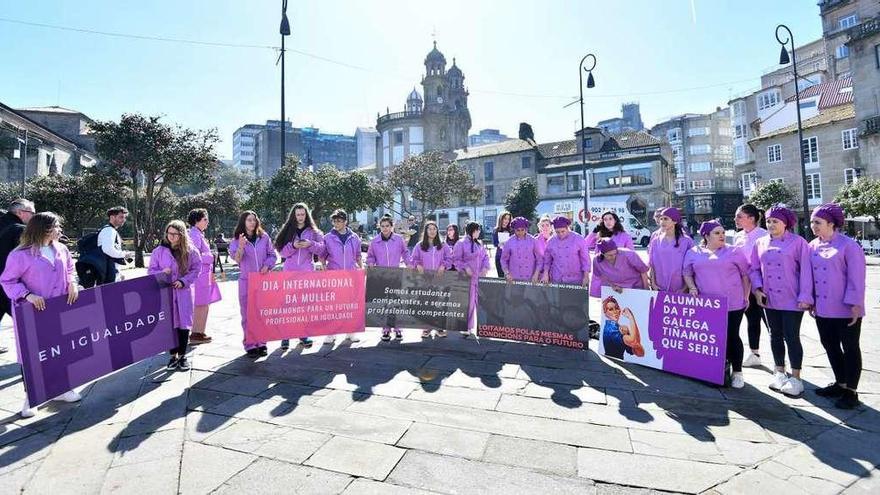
point(100, 252)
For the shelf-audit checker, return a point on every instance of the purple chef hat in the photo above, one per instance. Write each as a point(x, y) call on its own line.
point(673, 213)
point(519, 223)
point(783, 214)
point(561, 221)
point(606, 245)
point(707, 227)
point(830, 212)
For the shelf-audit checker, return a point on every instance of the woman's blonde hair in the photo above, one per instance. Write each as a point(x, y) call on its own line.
point(181, 252)
point(39, 226)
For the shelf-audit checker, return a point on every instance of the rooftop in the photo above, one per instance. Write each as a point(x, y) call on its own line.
point(509, 146)
point(825, 117)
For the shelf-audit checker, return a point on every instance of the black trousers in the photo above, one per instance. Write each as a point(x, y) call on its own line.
point(498, 263)
point(785, 332)
point(734, 342)
point(841, 343)
point(754, 316)
point(182, 342)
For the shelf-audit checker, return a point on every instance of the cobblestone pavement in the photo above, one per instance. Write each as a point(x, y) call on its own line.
point(443, 415)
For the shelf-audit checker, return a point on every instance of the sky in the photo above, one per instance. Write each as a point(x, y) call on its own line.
point(348, 60)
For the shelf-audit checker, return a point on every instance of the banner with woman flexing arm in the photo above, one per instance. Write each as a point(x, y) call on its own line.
point(678, 333)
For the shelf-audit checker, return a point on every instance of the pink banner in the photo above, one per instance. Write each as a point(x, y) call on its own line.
point(287, 305)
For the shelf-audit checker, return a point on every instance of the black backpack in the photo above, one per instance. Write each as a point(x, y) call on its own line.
point(88, 243)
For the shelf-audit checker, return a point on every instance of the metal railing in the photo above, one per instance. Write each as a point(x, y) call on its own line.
point(871, 125)
point(397, 115)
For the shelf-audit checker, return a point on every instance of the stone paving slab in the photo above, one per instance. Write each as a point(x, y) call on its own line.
point(441, 416)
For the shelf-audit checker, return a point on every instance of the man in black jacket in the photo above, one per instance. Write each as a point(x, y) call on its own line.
point(12, 225)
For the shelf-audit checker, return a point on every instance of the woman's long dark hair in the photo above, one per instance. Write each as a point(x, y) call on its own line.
point(603, 231)
point(427, 243)
point(679, 231)
point(242, 229)
point(752, 211)
point(498, 225)
point(469, 230)
point(289, 229)
point(457, 235)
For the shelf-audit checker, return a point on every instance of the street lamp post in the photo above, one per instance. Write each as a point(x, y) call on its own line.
point(783, 60)
point(285, 31)
point(590, 84)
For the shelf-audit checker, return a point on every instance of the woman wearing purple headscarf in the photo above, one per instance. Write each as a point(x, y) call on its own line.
point(522, 258)
point(617, 267)
point(566, 258)
point(782, 280)
point(666, 252)
point(717, 269)
point(839, 288)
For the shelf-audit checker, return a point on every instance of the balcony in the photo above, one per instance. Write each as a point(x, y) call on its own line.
point(865, 29)
point(397, 115)
point(870, 126)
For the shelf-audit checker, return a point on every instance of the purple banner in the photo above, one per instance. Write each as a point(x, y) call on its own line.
point(678, 333)
point(106, 329)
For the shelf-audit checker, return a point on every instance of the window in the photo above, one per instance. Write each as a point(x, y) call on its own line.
point(749, 183)
point(490, 195)
point(724, 149)
point(738, 109)
point(679, 186)
point(701, 167)
point(698, 131)
point(489, 171)
point(588, 142)
point(842, 51)
point(739, 153)
point(526, 162)
point(768, 99)
point(573, 183)
point(676, 153)
point(700, 149)
point(702, 184)
point(814, 186)
point(810, 146)
point(774, 153)
point(851, 175)
point(555, 184)
point(850, 139)
point(398, 138)
point(636, 175)
point(724, 131)
point(806, 105)
point(848, 21)
point(673, 135)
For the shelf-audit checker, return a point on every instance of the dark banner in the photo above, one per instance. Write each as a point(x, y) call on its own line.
point(544, 314)
point(107, 328)
point(405, 298)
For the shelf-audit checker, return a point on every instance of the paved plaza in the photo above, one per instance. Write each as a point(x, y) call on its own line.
point(438, 416)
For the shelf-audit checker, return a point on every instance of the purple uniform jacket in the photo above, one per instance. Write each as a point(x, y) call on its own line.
point(433, 258)
point(781, 268)
point(468, 254)
point(521, 257)
point(27, 271)
point(339, 257)
point(302, 260)
point(745, 241)
point(667, 261)
point(838, 276)
point(387, 253)
point(626, 272)
point(207, 291)
point(542, 243)
point(566, 260)
point(255, 256)
point(719, 273)
point(184, 298)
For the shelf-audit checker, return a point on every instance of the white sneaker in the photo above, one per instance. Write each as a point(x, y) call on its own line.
point(737, 380)
point(753, 361)
point(354, 337)
point(26, 411)
point(793, 387)
point(779, 380)
point(69, 396)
